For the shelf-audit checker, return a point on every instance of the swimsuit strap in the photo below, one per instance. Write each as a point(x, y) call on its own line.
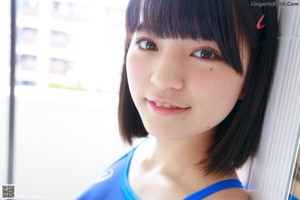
point(222, 185)
point(291, 197)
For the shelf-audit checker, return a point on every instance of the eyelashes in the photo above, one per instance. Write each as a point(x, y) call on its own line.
point(207, 54)
point(147, 45)
point(203, 53)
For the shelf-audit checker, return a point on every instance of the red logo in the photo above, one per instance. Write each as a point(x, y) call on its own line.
point(259, 24)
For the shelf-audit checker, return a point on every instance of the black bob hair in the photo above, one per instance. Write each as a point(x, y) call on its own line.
point(228, 22)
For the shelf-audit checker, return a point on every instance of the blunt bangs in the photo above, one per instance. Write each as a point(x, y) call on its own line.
point(211, 20)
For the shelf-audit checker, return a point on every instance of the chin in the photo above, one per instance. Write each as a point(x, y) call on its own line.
point(168, 135)
point(165, 134)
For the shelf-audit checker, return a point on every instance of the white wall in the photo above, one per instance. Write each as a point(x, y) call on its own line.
point(63, 142)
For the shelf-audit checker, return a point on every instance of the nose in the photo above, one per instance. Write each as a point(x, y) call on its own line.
point(167, 73)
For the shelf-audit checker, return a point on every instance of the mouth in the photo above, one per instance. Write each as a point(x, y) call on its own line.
point(163, 105)
point(166, 108)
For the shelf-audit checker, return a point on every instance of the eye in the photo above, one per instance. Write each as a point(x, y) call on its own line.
point(206, 54)
point(147, 45)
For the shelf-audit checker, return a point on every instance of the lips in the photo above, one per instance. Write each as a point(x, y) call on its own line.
point(166, 107)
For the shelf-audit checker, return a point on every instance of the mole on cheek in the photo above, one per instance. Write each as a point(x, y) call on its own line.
point(211, 69)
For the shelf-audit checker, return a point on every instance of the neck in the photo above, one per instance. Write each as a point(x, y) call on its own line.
point(173, 156)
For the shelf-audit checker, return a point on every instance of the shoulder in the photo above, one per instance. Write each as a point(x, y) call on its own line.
point(119, 164)
point(108, 185)
point(230, 194)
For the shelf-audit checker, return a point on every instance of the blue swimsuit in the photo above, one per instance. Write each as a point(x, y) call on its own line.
point(113, 184)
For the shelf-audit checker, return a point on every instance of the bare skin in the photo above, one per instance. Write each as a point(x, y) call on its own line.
point(157, 168)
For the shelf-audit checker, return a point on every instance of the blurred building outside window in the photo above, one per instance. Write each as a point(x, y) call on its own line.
point(69, 59)
point(70, 44)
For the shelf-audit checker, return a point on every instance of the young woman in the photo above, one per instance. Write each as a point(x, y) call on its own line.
point(196, 78)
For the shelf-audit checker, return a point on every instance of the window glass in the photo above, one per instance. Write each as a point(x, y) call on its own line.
point(4, 85)
point(69, 59)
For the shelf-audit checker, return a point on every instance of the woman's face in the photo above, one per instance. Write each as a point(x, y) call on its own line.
point(182, 88)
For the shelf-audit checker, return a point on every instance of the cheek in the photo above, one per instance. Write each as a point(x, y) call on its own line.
point(136, 72)
point(217, 90)
point(214, 99)
point(228, 87)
